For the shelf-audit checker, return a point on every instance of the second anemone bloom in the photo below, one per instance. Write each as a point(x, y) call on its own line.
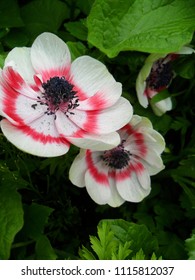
point(155, 76)
point(122, 173)
point(48, 102)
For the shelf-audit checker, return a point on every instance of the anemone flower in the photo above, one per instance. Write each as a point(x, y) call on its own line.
point(155, 76)
point(49, 103)
point(122, 173)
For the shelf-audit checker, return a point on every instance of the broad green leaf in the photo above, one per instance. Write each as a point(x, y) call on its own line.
point(16, 38)
point(43, 15)
point(76, 49)
point(190, 246)
point(78, 29)
point(11, 211)
point(147, 26)
point(44, 250)
point(10, 14)
point(35, 217)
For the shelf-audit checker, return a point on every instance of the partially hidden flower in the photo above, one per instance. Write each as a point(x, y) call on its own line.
point(48, 102)
point(155, 76)
point(122, 173)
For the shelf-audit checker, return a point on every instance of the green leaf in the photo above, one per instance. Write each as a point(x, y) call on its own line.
point(186, 68)
point(147, 26)
point(120, 240)
point(78, 29)
point(44, 250)
point(43, 15)
point(16, 38)
point(160, 96)
point(2, 59)
point(76, 49)
point(35, 217)
point(106, 244)
point(11, 211)
point(85, 6)
point(190, 246)
point(10, 14)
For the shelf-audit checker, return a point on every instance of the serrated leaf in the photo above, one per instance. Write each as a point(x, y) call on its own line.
point(122, 252)
point(147, 26)
point(85, 254)
point(44, 250)
point(11, 210)
point(190, 246)
point(35, 216)
point(138, 234)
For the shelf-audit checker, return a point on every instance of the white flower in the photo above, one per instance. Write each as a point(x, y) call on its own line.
point(48, 103)
point(122, 173)
point(154, 77)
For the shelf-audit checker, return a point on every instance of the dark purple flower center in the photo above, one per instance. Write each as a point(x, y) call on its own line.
point(117, 158)
point(58, 94)
point(160, 76)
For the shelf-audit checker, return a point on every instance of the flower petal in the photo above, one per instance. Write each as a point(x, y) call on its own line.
point(50, 56)
point(16, 82)
point(129, 187)
point(95, 142)
point(65, 126)
point(18, 108)
point(115, 199)
point(90, 77)
point(78, 169)
point(20, 60)
point(96, 179)
point(104, 121)
point(185, 50)
point(162, 106)
point(34, 142)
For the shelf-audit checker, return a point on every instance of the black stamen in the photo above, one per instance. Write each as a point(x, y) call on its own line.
point(58, 91)
point(117, 158)
point(160, 76)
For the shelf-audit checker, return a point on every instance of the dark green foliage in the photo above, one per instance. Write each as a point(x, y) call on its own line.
point(42, 215)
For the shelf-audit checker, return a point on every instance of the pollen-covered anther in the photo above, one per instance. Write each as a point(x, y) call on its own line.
point(59, 92)
point(116, 158)
point(160, 76)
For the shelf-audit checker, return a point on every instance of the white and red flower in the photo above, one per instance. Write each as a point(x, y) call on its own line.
point(48, 102)
point(122, 173)
point(155, 76)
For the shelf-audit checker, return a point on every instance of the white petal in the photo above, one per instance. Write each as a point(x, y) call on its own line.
point(104, 98)
point(162, 106)
point(104, 121)
point(78, 169)
point(64, 125)
point(130, 188)
point(97, 183)
point(28, 140)
point(90, 76)
point(50, 56)
point(140, 89)
point(20, 60)
point(185, 50)
point(152, 161)
point(95, 142)
point(115, 199)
